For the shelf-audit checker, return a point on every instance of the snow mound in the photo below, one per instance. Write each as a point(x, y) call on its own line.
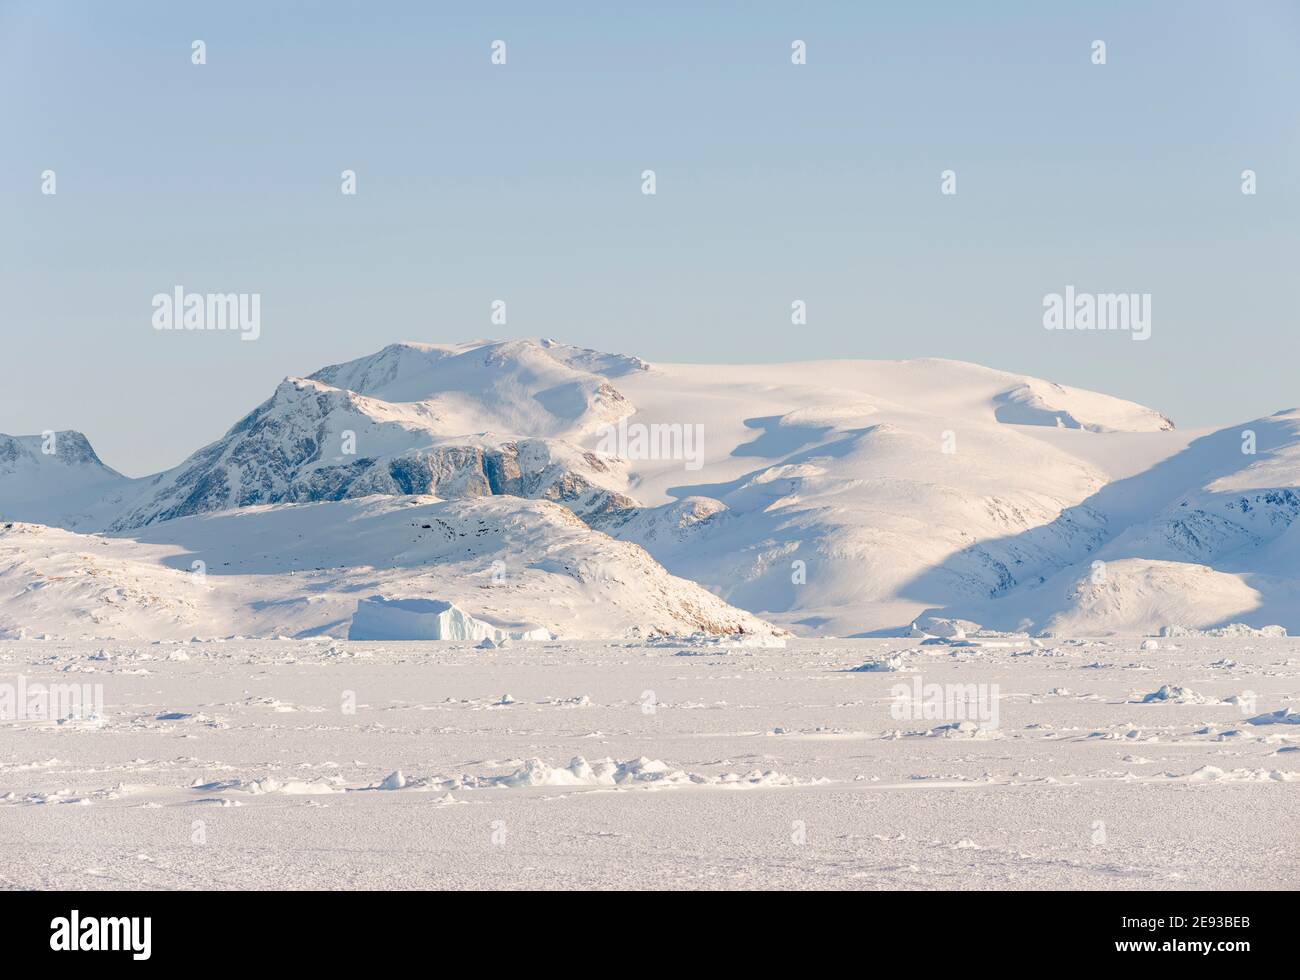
point(893, 662)
point(1175, 694)
point(760, 640)
point(944, 628)
point(1213, 774)
point(1232, 630)
point(641, 773)
point(269, 784)
point(1283, 716)
point(965, 729)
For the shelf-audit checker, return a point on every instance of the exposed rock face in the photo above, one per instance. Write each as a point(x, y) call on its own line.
point(68, 447)
point(293, 449)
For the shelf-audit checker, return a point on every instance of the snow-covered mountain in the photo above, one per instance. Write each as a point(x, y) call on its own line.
point(542, 388)
point(1205, 537)
point(835, 497)
point(851, 496)
point(465, 421)
point(56, 478)
point(311, 442)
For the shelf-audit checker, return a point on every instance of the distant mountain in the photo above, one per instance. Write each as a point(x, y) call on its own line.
point(58, 479)
point(536, 389)
point(851, 496)
point(832, 497)
point(1206, 537)
point(311, 442)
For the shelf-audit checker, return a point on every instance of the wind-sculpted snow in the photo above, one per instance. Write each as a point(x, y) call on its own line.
point(326, 763)
point(1037, 402)
point(639, 773)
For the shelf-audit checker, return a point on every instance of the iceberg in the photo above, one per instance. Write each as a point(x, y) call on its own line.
point(383, 618)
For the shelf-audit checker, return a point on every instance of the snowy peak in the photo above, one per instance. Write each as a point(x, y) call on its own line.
point(525, 388)
point(55, 478)
point(386, 370)
point(303, 443)
point(68, 448)
point(311, 441)
point(593, 361)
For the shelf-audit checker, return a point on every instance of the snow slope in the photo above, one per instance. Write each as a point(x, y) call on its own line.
point(1035, 402)
point(298, 570)
point(1206, 537)
point(543, 388)
point(900, 486)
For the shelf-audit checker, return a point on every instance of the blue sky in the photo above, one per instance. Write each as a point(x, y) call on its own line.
point(521, 182)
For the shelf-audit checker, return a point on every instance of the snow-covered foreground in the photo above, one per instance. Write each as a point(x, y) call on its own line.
point(327, 764)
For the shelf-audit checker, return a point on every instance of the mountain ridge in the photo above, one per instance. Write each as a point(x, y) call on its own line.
point(834, 497)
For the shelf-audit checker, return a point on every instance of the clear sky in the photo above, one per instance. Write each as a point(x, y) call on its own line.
point(522, 182)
